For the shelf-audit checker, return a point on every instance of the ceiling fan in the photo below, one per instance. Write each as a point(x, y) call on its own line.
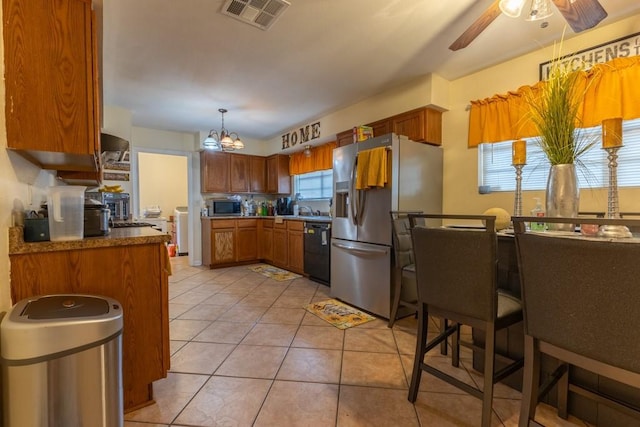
point(579, 14)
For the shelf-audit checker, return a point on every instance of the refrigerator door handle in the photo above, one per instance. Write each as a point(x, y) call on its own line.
point(360, 251)
point(353, 193)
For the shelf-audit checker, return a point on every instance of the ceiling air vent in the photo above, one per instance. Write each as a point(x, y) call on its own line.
point(259, 13)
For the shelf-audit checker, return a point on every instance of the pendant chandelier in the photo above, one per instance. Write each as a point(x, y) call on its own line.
point(223, 141)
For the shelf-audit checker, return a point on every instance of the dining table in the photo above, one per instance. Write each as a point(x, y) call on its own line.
point(510, 346)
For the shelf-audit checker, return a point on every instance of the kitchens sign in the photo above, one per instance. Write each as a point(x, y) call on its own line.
point(585, 59)
point(300, 136)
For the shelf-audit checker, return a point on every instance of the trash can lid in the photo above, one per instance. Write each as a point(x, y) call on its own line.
point(50, 326)
point(65, 306)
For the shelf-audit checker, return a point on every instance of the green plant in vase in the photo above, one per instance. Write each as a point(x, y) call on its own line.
point(554, 107)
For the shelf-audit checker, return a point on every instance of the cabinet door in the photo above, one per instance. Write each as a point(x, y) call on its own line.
point(278, 179)
point(239, 177)
point(223, 245)
point(258, 172)
point(214, 172)
point(381, 127)
point(280, 247)
point(410, 124)
point(247, 239)
point(344, 138)
point(51, 81)
point(296, 251)
point(266, 244)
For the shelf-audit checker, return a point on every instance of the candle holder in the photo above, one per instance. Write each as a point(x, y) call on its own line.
point(517, 204)
point(613, 212)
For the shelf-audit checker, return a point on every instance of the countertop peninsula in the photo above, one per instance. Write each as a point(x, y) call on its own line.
point(311, 218)
point(117, 237)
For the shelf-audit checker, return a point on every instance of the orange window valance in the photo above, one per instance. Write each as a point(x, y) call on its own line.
point(612, 90)
point(321, 159)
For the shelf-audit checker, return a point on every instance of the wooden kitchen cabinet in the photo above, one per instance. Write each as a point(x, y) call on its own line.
point(136, 275)
point(344, 138)
point(420, 125)
point(229, 241)
point(381, 127)
point(295, 246)
point(258, 174)
point(223, 236)
point(278, 178)
point(246, 240)
point(51, 83)
point(214, 172)
point(280, 245)
point(265, 240)
point(240, 174)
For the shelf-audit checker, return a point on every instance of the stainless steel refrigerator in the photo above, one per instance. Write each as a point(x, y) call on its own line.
point(361, 242)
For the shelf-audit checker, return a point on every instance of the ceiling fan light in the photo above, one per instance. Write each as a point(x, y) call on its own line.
point(540, 9)
point(511, 8)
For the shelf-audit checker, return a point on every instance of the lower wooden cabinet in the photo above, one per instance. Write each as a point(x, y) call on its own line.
point(246, 240)
point(295, 246)
point(231, 241)
point(280, 245)
point(135, 275)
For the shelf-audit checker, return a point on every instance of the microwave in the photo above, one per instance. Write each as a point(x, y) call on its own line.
point(219, 207)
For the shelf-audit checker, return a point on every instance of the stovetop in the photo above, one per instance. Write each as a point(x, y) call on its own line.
point(130, 224)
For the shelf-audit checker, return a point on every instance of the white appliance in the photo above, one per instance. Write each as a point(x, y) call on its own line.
point(181, 218)
point(361, 227)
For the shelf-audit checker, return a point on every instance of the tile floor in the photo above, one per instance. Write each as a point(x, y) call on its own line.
point(245, 353)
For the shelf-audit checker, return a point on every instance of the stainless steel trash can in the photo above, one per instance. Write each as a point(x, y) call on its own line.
point(62, 362)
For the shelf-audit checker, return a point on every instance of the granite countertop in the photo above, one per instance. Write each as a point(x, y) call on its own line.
point(117, 237)
point(314, 218)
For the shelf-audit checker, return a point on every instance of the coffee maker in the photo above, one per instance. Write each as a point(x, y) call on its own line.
point(284, 206)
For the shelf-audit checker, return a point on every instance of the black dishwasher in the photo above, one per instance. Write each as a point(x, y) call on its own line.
point(317, 251)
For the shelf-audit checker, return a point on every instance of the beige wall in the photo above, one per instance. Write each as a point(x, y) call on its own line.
point(162, 180)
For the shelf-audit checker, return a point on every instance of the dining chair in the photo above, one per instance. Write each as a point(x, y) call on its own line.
point(404, 273)
point(580, 302)
point(456, 274)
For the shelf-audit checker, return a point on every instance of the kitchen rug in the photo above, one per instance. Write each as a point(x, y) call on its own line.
point(274, 273)
point(338, 314)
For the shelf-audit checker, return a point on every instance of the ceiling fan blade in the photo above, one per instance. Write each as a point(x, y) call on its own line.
point(581, 14)
point(477, 27)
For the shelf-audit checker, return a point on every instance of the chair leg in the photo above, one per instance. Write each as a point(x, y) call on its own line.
point(530, 379)
point(489, 367)
point(421, 344)
point(397, 287)
point(563, 394)
point(455, 347)
point(444, 324)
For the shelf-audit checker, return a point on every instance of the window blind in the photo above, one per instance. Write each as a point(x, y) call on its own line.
point(495, 169)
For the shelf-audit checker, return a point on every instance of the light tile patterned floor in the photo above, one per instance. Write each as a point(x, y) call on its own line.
point(245, 353)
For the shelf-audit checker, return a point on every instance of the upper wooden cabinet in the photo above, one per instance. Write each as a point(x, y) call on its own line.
point(344, 138)
point(51, 80)
point(419, 125)
point(232, 173)
point(214, 172)
point(278, 178)
point(258, 174)
point(239, 173)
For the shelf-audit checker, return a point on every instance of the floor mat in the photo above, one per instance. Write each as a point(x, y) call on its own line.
point(274, 273)
point(338, 314)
